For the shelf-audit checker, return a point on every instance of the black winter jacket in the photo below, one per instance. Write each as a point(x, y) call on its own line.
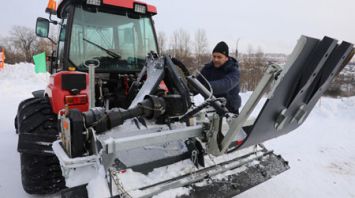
point(224, 82)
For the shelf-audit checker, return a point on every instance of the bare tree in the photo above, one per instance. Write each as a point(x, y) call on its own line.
point(201, 47)
point(252, 67)
point(162, 42)
point(43, 45)
point(13, 54)
point(24, 39)
point(22, 44)
point(180, 44)
point(344, 82)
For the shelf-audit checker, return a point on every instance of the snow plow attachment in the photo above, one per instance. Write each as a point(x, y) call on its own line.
point(168, 141)
point(244, 171)
point(306, 76)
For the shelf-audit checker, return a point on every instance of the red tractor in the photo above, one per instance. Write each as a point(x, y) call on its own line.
point(117, 33)
point(114, 103)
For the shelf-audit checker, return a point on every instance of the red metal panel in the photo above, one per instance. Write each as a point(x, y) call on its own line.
point(152, 9)
point(129, 4)
point(120, 3)
point(57, 95)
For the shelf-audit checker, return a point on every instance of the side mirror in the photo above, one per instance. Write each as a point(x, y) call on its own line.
point(42, 27)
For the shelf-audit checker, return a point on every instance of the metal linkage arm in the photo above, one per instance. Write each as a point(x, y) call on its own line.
point(219, 146)
point(200, 88)
point(155, 73)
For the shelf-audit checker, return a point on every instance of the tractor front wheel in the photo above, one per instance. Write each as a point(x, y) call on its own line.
point(37, 128)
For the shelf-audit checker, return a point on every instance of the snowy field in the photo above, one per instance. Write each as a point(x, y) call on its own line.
point(321, 152)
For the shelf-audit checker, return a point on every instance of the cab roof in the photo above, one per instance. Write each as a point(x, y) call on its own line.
point(125, 4)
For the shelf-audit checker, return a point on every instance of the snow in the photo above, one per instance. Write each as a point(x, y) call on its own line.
point(321, 152)
point(98, 183)
point(321, 155)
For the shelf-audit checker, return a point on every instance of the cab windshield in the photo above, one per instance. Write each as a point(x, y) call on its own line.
point(119, 42)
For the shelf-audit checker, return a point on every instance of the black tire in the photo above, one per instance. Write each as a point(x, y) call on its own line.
point(41, 174)
point(20, 107)
point(40, 171)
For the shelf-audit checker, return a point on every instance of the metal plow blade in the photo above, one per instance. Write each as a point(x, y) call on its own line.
point(270, 165)
point(224, 179)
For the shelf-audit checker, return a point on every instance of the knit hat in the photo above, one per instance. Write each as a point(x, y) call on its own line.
point(222, 48)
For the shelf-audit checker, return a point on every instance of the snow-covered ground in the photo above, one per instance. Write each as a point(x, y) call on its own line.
point(321, 152)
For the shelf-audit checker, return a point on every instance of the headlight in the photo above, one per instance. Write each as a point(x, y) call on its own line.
point(140, 8)
point(94, 2)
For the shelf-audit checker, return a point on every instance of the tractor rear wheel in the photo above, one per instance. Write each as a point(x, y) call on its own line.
point(20, 107)
point(41, 174)
point(40, 169)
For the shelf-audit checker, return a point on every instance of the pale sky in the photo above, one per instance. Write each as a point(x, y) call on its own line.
point(272, 25)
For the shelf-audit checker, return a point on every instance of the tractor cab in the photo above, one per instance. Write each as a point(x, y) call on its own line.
point(117, 33)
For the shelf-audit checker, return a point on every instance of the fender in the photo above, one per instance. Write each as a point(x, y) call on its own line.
point(38, 93)
point(62, 84)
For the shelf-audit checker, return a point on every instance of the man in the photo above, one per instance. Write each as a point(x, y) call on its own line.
point(223, 75)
